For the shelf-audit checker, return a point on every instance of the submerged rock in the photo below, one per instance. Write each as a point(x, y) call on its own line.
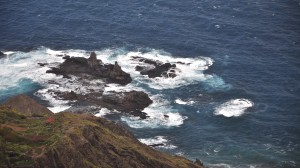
point(69, 140)
point(156, 145)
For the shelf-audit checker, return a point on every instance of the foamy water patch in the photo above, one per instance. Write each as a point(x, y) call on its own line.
point(102, 112)
point(160, 113)
point(19, 65)
point(112, 87)
point(220, 165)
point(224, 165)
point(184, 102)
point(63, 85)
point(188, 70)
point(234, 108)
point(158, 141)
point(25, 65)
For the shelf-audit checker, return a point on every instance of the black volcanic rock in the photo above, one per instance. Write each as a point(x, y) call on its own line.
point(93, 68)
point(132, 102)
point(156, 145)
point(117, 75)
point(2, 55)
point(137, 100)
point(159, 69)
point(93, 62)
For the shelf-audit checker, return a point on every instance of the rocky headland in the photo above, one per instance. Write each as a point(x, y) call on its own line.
point(32, 136)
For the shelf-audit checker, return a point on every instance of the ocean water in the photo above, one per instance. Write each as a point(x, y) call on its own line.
point(237, 104)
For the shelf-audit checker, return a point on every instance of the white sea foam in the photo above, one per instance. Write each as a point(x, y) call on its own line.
point(158, 140)
point(234, 108)
point(224, 165)
point(112, 87)
point(188, 102)
point(21, 65)
point(103, 112)
point(25, 65)
point(160, 113)
point(220, 165)
point(8, 52)
point(188, 70)
point(18, 65)
point(57, 108)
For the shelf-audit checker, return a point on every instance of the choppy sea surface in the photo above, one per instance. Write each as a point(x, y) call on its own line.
point(236, 101)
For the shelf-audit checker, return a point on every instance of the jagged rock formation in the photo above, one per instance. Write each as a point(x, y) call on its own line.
point(68, 140)
point(131, 102)
point(157, 69)
point(93, 68)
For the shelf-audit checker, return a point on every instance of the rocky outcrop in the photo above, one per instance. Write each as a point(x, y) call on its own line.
point(132, 102)
point(115, 74)
point(156, 69)
point(2, 55)
point(93, 62)
point(68, 140)
point(27, 106)
point(92, 68)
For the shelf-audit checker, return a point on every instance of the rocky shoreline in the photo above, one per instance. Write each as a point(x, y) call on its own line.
point(85, 69)
point(32, 136)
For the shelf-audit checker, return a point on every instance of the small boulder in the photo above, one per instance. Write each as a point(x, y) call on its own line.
point(139, 113)
point(136, 99)
point(43, 64)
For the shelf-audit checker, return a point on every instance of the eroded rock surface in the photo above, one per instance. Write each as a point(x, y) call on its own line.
point(85, 70)
point(93, 68)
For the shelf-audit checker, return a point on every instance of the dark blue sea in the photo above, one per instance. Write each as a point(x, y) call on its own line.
point(236, 103)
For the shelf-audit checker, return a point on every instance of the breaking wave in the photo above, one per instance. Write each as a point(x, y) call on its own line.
point(234, 108)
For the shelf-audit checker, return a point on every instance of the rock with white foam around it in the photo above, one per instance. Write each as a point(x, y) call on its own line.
point(157, 69)
point(92, 68)
point(2, 55)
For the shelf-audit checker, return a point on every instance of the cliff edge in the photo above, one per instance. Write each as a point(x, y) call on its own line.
point(72, 140)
